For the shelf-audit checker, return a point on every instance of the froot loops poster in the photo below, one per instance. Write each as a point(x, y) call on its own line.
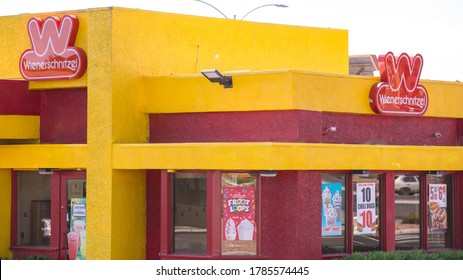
point(239, 218)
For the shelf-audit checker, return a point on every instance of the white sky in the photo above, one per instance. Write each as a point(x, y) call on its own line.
point(433, 28)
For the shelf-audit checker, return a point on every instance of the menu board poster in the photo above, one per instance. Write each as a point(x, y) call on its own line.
point(77, 236)
point(366, 208)
point(437, 207)
point(332, 209)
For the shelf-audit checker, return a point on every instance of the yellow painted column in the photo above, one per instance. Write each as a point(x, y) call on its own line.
point(116, 227)
point(129, 125)
point(99, 135)
point(128, 225)
point(5, 212)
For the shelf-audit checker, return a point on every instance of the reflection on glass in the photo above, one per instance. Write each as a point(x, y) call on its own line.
point(366, 212)
point(239, 224)
point(189, 213)
point(407, 212)
point(440, 210)
point(34, 212)
point(333, 202)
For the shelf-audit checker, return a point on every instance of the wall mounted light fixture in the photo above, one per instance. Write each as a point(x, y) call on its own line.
point(361, 173)
point(215, 76)
point(437, 173)
point(45, 171)
point(268, 173)
point(328, 130)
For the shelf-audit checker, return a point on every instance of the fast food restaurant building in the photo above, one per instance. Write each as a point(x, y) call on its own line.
point(113, 145)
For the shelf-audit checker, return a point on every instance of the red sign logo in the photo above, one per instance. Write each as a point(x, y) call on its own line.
point(399, 93)
point(53, 55)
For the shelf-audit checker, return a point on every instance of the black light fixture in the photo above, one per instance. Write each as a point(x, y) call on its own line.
point(437, 173)
point(45, 171)
point(361, 173)
point(268, 173)
point(215, 76)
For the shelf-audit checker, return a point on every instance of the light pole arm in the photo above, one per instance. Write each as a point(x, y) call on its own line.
point(212, 7)
point(276, 5)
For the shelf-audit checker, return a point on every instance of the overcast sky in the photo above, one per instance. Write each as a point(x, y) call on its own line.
point(433, 28)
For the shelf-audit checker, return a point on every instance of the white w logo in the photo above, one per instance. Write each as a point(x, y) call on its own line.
point(52, 33)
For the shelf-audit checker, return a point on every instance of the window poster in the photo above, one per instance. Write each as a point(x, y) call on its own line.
point(437, 207)
point(238, 215)
point(239, 228)
point(332, 209)
point(366, 209)
point(77, 238)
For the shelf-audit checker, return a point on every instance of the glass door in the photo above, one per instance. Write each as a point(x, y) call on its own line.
point(73, 215)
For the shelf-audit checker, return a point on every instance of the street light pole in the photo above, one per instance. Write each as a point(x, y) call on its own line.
point(276, 5)
point(234, 17)
point(212, 7)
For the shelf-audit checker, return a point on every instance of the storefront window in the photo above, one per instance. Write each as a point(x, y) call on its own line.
point(407, 212)
point(239, 224)
point(34, 209)
point(189, 213)
point(333, 213)
point(366, 212)
point(440, 209)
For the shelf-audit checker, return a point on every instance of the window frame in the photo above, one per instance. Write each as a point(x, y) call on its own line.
point(172, 229)
point(213, 216)
point(380, 215)
point(348, 239)
point(54, 216)
point(257, 214)
point(387, 200)
point(453, 215)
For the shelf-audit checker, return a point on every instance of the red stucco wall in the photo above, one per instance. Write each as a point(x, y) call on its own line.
point(291, 215)
point(16, 99)
point(63, 117)
point(303, 126)
point(153, 214)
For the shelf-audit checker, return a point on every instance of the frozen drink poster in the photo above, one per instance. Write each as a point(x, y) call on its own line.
point(331, 209)
point(77, 236)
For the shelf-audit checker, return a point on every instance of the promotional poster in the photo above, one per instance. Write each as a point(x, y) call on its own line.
point(331, 209)
point(239, 224)
point(438, 207)
point(77, 236)
point(366, 208)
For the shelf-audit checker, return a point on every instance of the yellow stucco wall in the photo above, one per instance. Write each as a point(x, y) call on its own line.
point(158, 44)
point(19, 127)
point(285, 90)
point(5, 212)
point(128, 227)
point(33, 156)
point(99, 135)
point(286, 156)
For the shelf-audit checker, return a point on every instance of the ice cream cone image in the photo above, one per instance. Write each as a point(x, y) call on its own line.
point(326, 196)
point(337, 200)
point(330, 216)
point(245, 230)
point(230, 230)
